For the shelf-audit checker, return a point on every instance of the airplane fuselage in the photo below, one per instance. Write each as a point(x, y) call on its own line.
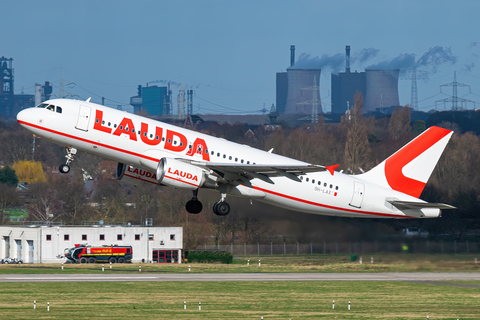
point(141, 142)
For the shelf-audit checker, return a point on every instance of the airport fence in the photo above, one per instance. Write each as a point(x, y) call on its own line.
point(420, 246)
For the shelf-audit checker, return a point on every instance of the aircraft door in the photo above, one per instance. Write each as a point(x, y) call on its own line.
point(83, 118)
point(358, 192)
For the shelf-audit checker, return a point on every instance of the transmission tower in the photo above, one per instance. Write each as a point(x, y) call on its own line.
point(454, 99)
point(314, 102)
point(414, 96)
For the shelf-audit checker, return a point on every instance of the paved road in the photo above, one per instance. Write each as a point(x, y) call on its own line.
point(422, 277)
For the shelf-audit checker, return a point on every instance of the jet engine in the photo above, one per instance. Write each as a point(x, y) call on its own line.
point(179, 174)
point(135, 176)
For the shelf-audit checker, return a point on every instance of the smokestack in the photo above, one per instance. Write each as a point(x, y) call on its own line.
point(292, 55)
point(347, 62)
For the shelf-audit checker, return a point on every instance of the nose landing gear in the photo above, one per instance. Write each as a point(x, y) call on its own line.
point(71, 152)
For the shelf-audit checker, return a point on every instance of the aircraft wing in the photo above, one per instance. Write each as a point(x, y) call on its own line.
point(231, 172)
point(419, 205)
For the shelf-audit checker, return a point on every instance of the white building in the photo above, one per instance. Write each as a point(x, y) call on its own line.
point(47, 244)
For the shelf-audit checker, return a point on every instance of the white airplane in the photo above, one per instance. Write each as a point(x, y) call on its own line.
point(157, 153)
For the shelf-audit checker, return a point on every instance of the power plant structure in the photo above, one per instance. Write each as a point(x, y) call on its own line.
point(294, 89)
point(382, 90)
point(345, 85)
point(379, 89)
point(11, 103)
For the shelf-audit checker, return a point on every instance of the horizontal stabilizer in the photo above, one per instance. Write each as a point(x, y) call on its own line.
point(419, 205)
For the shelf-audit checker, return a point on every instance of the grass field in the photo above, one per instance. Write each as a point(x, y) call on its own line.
point(251, 300)
point(238, 300)
point(302, 263)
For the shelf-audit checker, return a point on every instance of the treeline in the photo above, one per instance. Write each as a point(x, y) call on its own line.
point(358, 143)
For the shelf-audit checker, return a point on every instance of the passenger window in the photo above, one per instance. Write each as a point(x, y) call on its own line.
point(103, 122)
point(109, 124)
point(241, 161)
point(206, 150)
point(163, 138)
point(218, 154)
point(175, 142)
point(331, 186)
point(336, 188)
point(325, 184)
point(121, 127)
point(157, 137)
point(212, 153)
point(151, 136)
point(313, 180)
point(224, 156)
point(301, 178)
point(115, 125)
point(236, 159)
point(248, 162)
point(319, 183)
point(181, 144)
point(306, 179)
point(169, 140)
point(59, 109)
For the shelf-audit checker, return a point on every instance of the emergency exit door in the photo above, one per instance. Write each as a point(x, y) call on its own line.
point(83, 118)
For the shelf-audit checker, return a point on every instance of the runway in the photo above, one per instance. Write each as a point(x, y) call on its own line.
point(421, 277)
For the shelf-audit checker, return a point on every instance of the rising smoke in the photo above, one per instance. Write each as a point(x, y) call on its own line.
point(305, 61)
point(429, 62)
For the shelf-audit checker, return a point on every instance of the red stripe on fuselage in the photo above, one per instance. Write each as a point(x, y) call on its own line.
point(327, 206)
point(89, 141)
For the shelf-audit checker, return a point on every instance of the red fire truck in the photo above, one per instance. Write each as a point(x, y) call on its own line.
point(91, 254)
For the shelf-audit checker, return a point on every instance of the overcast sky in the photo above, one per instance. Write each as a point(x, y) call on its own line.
point(229, 51)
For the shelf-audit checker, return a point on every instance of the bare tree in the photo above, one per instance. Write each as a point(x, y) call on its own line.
point(357, 149)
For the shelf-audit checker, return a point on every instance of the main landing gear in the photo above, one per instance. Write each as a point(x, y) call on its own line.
point(65, 168)
point(193, 205)
point(220, 208)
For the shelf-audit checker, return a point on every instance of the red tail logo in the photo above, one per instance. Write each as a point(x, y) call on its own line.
point(394, 165)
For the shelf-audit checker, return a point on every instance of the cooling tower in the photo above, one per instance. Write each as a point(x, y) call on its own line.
point(300, 90)
point(382, 89)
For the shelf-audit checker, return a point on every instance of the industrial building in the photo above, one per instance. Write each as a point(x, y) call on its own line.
point(152, 100)
point(10, 103)
point(47, 244)
point(345, 85)
point(379, 89)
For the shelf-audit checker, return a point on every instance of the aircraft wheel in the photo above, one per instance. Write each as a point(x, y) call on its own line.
point(194, 206)
point(64, 168)
point(221, 209)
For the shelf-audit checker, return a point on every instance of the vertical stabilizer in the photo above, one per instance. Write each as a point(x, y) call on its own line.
point(409, 169)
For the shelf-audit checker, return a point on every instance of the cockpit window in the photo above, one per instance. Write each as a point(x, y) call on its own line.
point(59, 109)
point(51, 108)
point(43, 105)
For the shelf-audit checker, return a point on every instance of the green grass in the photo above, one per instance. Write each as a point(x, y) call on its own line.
point(293, 263)
point(238, 300)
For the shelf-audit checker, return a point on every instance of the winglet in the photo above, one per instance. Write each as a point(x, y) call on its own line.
point(331, 169)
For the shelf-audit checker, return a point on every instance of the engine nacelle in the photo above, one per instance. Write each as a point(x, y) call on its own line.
point(135, 176)
point(179, 174)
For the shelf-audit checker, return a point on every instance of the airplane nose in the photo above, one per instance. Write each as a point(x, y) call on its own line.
point(22, 116)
